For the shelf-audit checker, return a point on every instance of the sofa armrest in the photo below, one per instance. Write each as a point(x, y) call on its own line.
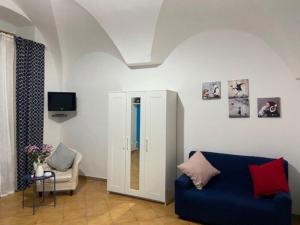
point(283, 201)
point(184, 182)
point(283, 204)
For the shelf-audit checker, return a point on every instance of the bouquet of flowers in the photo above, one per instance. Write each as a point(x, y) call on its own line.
point(38, 155)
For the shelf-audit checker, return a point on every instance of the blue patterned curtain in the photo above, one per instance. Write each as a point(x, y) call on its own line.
point(30, 60)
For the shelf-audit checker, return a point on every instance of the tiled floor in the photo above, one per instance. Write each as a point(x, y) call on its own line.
point(91, 205)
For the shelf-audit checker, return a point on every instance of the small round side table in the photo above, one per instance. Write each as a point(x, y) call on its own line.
point(32, 179)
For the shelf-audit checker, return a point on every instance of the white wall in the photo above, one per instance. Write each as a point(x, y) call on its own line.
point(52, 128)
point(7, 27)
point(216, 55)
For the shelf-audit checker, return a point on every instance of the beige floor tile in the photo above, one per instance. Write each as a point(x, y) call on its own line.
point(58, 222)
point(128, 223)
point(72, 214)
point(119, 206)
point(146, 214)
point(78, 221)
point(98, 209)
point(43, 215)
point(139, 204)
point(25, 220)
point(104, 219)
point(122, 216)
point(162, 210)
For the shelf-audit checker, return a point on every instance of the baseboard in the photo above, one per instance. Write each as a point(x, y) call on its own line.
point(93, 178)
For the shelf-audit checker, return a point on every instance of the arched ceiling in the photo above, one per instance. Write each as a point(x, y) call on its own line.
point(274, 21)
point(131, 25)
point(13, 7)
point(145, 32)
point(79, 33)
point(16, 19)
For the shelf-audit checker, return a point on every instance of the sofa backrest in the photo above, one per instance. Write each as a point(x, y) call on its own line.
point(234, 168)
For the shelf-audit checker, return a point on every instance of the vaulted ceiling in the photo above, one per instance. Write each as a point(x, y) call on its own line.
point(145, 32)
point(131, 26)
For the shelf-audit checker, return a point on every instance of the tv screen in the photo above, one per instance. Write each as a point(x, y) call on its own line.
point(61, 101)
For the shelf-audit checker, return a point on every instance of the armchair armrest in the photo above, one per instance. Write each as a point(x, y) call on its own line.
point(283, 203)
point(75, 166)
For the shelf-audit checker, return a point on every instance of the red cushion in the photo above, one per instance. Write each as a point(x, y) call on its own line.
point(269, 178)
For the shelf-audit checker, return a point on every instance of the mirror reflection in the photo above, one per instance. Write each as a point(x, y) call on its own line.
point(135, 143)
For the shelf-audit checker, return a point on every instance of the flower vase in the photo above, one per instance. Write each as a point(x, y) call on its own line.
point(35, 166)
point(39, 170)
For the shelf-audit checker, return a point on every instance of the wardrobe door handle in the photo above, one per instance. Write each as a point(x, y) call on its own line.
point(147, 142)
point(124, 143)
point(127, 143)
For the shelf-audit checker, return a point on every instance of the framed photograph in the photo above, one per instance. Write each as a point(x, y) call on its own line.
point(268, 107)
point(238, 88)
point(239, 108)
point(211, 90)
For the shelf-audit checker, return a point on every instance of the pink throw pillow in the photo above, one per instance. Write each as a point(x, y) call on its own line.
point(199, 170)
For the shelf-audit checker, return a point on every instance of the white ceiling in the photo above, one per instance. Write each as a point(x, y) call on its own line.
point(145, 32)
point(13, 18)
point(130, 25)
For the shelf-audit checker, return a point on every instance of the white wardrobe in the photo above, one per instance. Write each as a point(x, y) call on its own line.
point(142, 144)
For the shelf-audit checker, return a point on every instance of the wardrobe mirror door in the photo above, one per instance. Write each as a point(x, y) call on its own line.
point(135, 143)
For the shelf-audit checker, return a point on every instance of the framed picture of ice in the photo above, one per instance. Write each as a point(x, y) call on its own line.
point(239, 108)
point(211, 90)
point(268, 107)
point(238, 88)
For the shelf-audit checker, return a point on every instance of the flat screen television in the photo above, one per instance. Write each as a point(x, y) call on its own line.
point(61, 101)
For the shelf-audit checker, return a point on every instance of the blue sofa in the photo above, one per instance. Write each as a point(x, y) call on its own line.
point(228, 198)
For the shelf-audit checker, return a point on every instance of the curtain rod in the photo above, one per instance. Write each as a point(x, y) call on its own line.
point(5, 32)
point(13, 35)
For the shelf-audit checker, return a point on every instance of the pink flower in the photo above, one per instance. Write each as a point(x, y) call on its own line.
point(31, 149)
point(46, 148)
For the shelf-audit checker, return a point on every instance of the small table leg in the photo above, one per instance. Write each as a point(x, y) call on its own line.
point(54, 194)
point(23, 198)
point(43, 190)
point(33, 194)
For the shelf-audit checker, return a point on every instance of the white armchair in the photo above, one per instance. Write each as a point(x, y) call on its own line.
point(65, 181)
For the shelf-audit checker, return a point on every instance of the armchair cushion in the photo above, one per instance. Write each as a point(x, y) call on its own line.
point(60, 176)
point(62, 158)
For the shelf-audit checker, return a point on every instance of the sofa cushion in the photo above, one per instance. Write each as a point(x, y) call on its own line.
point(213, 205)
point(269, 178)
point(62, 158)
point(199, 170)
